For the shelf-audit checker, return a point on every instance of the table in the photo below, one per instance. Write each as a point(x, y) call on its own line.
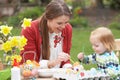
point(46, 79)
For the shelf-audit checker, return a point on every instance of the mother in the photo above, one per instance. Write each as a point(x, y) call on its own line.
point(49, 37)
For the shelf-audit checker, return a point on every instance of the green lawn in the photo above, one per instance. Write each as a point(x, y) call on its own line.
point(80, 41)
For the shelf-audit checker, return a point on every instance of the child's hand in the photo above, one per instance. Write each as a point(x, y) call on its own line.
point(80, 56)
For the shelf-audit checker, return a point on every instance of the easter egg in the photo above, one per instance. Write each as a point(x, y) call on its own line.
point(76, 64)
point(28, 62)
point(34, 72)
point(26, 73)
point(82, 74)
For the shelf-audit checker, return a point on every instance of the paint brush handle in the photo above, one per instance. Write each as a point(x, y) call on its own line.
point(72, 60)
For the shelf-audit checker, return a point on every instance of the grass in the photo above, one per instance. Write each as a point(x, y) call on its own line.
point(80, 42)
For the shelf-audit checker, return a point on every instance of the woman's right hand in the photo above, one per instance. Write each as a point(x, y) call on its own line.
point(61, 57)
point(80, 56)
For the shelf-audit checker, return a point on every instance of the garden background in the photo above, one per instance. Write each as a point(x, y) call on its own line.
point(87, 15)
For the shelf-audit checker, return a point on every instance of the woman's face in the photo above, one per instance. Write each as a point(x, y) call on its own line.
point(97, 46)
point(56, 25)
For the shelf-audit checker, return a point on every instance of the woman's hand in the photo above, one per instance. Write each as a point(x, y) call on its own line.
point(61, 57)
point(80, 56)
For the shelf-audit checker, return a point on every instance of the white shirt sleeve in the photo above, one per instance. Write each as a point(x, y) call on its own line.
point(43, 64)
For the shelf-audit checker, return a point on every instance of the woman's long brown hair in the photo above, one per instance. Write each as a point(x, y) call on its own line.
point(53, 10)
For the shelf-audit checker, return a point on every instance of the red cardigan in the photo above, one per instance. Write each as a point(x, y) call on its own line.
point(35, 41)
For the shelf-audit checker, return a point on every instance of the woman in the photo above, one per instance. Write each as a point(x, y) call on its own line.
point(49, 38)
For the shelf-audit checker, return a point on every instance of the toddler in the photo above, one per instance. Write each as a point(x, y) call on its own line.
point(103, 44)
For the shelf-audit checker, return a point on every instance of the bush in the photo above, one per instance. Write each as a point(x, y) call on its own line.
point(26, 13)
point(77, 11)
point(114, 25)
point(79, 22)
point(13, 21)
point(31, 13)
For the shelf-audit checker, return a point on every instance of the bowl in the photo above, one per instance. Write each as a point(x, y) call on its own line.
point(45, 72)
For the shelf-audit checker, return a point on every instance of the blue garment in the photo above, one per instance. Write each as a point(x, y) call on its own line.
point(106, 62)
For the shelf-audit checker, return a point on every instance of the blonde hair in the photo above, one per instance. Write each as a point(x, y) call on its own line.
point(105, 36)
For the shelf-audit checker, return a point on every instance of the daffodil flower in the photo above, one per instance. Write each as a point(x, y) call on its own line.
point(14, 41)
point(17, 57)
point(12, 44)
point(5, 29)
point(22, 42)
point(6, 46)
point(26, 23)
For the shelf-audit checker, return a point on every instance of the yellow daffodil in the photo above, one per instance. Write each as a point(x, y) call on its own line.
point(13, 44)
point(14, 41)
point(17, 57)
point(22, 42)
point(5, 29)
point(26, 23)
point(7, 46)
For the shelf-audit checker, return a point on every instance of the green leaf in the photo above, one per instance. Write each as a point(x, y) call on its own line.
point(5, 74)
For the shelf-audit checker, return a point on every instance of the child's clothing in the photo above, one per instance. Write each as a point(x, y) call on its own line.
point(106, 62)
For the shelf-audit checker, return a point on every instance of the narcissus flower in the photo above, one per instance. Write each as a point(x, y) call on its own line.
point(17, 57)
point(12, 45)
point(7, 46)
point(5, 29)
point(26, 23)
point(14, 41)
point(22, 42)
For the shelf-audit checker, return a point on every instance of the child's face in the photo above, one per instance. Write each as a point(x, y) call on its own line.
point(97, 46)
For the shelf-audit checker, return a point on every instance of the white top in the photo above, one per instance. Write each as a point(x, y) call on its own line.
point(55, 49)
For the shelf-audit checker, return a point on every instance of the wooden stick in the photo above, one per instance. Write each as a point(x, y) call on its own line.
point(72, 60)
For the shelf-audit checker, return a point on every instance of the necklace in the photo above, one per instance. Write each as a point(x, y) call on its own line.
point(57, 40)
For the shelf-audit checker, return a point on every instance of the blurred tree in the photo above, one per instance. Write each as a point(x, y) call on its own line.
point(39, 2)
point(115, 4)
point(76, 3)
point(100, 3)
point(44, 2)
point(24, 1)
